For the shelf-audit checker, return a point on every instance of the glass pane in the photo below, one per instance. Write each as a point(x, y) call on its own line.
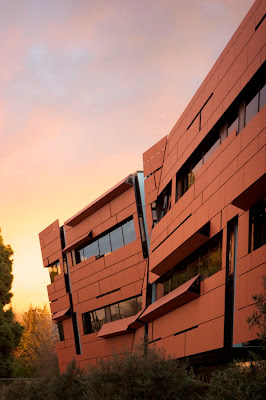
point(182, 276)
point(104, 245)
point(173, 282)
point(95, 248)
point(87, 325)
point(107, 314)
point(54, 270)
point(114, 312)
point(129, 232)
point(78, 256)
point(223, 132)
point(197, 167)
point(139, 302)
point(214, 259)
point(99, 318)
point(185, 183)
point(116, 238)
point(88, 250)
point(262, 97)
point(204, 270)
point(193, 268)
point(191, 179)
point(128, 308)
point(233, 126)
point(258, 220)
point(212, 150)
point(179, 189)
point(93, 322)
point(60, 330)
point(166, 286)
point(252, 108)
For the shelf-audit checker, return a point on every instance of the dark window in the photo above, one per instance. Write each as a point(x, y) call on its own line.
point(99, 318)
point(110, 241)
point(105, 245)
point(61, 331)
point(154, 214)
point(93, 320)
point(129, 232)
point(163, 202)
point(205, 261)
point(232, 126)
point(54, 269)
point(116, 238)
point(252, 108)
point(87, 323)
point(212, 149)
point(257, 225)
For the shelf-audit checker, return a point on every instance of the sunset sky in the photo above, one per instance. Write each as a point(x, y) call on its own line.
point(85, 88)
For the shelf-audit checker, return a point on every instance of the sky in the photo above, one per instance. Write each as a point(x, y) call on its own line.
point(85, 88)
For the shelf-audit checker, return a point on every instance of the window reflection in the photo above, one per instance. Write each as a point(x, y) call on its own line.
point(116, 238)
point(104, 245)
point(111, 241)
point(129, 232)
point(54, 269)
point(252, 108)
point(93, 320)
point(205, 261)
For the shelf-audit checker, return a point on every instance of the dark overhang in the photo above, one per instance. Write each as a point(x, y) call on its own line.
point(184, 250)
point(61, 315)
point(120, 327)
point(185, 293)
point(251, 195)
point(79, 242)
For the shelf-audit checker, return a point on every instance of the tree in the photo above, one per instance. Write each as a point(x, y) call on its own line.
point(10, 330)
point(36, 354)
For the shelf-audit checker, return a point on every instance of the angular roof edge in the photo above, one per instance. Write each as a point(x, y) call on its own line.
point(101, 201)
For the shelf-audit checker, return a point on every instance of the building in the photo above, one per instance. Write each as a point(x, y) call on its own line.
point(179, 250)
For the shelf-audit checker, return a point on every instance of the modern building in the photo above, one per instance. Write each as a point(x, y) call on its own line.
point(176, 251)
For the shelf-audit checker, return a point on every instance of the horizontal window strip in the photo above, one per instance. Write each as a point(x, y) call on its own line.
point(186, 330)
point(155, 340)
point(199, 111)
point(260, 22)
point(105, 294)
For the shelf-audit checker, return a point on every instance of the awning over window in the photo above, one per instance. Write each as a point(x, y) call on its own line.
point(252, 194)
point(177, 298)
point(185, 249)
point(120, 327)
point(80, 241)
point(61, 315)
point(111, 194)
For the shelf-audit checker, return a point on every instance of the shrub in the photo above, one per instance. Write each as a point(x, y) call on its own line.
point(142, 375)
